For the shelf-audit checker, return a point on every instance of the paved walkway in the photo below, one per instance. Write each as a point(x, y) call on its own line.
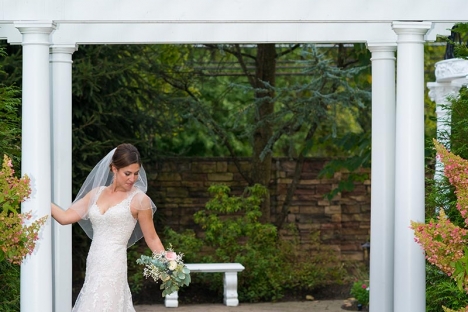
point(294, 306)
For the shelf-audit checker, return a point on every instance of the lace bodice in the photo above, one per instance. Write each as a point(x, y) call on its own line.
point(106, 286)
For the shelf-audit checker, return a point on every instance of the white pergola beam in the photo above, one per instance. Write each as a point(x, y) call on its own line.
point(258, 32)
point(221, 32)
point(325, 11)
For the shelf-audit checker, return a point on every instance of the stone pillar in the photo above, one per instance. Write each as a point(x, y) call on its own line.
point(409, 283)
point(383, 176)
point(36, 270)
point(61, 96)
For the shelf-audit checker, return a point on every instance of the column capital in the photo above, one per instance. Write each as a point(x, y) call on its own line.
point(62, 53)
point(35, 32)
point(381, 46)
point(35, 27)
point(410, 28)
point(440, 92)
point(64, 48)
point(382, 50)
point(451, 69)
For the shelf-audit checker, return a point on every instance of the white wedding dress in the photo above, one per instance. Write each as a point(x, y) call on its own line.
point(105, 288)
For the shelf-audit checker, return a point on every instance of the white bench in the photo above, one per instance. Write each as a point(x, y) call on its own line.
point(230, 281)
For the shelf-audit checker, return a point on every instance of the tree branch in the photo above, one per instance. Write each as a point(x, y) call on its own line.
point(295, 181)
point(278, 55)
point(218, 131)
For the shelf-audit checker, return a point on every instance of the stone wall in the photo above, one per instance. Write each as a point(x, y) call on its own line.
point(178, 186)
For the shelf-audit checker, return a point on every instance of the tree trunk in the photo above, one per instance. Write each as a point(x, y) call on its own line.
point(264, 77)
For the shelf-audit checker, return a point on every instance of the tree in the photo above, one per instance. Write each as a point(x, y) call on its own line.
point(293, 110)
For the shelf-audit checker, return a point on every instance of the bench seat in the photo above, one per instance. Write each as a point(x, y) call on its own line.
point(230, 281)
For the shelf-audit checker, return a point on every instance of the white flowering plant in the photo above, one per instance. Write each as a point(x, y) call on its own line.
point(167, 267)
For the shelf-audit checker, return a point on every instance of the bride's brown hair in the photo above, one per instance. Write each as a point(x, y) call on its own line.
point(125, 154)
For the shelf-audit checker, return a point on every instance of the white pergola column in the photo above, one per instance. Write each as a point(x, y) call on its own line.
point(383, 176)
point(61, 137)
point(440, 93)
point(409, 283)
point(36, 270)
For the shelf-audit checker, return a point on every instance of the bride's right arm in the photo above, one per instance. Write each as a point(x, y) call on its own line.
point(64, 216)
point(72, 214)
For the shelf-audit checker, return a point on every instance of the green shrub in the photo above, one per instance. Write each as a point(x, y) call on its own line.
point(232, 232)
point(360, 292)
point(9, 287)
point(441, 290)
point(315, 267)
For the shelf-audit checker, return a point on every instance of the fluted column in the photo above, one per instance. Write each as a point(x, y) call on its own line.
point(36, 270)
point(383, 176)
point(61, 96)
point(409, 283)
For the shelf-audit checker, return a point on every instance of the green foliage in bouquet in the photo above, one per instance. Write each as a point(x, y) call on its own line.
point(168, 268)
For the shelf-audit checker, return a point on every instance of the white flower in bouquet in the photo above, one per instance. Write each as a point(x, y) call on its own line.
point(167, 267)
point(172, 265)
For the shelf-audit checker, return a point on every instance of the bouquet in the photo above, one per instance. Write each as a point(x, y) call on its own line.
point(167, 267)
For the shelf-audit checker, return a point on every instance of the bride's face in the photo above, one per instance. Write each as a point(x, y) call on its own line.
point(125, 177)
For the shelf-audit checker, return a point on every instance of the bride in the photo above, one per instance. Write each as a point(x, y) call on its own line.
point(115, 212)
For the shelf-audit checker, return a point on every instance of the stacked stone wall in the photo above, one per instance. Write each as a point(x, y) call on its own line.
point(179, 186)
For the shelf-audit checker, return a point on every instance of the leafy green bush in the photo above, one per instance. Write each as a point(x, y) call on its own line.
point(441, 290)
point(233, 233)
point(10, 123)
point(9, 287)
point(360, 291)
point(312, 268)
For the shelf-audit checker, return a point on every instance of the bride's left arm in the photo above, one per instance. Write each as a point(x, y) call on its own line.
point(145, 218)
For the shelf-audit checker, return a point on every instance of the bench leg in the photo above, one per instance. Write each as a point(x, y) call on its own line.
point(230, 289)
point(172, 300)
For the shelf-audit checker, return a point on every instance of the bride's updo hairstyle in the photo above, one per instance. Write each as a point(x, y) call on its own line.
point(125, 155)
